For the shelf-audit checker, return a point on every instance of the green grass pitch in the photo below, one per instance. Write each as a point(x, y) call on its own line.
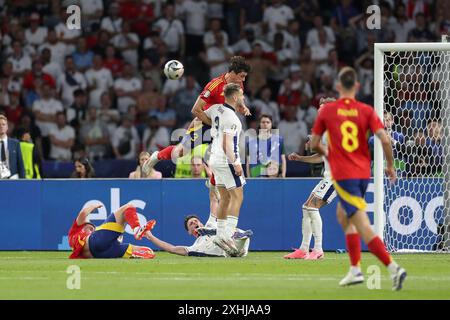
point(261, 275)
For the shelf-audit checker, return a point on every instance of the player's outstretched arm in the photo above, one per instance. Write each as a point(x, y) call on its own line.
point(387, 148)
point(166, 246)
point(198, 111)
point(84, 213)
point(315, 158)
point(317, 146)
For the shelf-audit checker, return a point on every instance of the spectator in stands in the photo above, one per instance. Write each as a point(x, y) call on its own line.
point(62, 138)
point(36, 34)
point(139, 174)
point(148, 98)
point(112, 23)
point(244, 45)
point(33, 80)
point(344, 12)
point(92, 12)
point(70, 81)
point(293, 130)
point(125, 140)
point(293, 88)
point(45, 110)
point(48, 66)
point(99, 79)
point(217, 56)
point(66, 35)
point(209, 38)
point(9, 83)
point(285, 57)
point(21, 62)
point(151, 71)
point(307, 112)
point(94, 135)
point(265, 105)
point(251, 15)
point(421, 33)
point(82, 56)
point(261, 68)
point(32, 159)
point(127, 42)
point(83, 169)
point(194, 13)
point(312, 38)
point(11, 162)
point(197, 168)
point(155, 137)
point(127, 88)
point(183, 101)
point(58, 49)
point(265, 152)
point(113, 62)
point(276, 17)
point(108, 115)
point(433, 142)
point(166, 116)
point(320, 51)
point(171, 31)
point(417, 155)
point(403, 24)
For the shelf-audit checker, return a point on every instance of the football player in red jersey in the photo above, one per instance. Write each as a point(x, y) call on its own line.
point(87, 241)
point(347, 122)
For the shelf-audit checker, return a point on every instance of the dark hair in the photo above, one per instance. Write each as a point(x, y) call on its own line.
point(266, 116)
point(347, 78)
point(231, 89)
point(20, 132)
point(90, 173)
point(78, 93)
point(238, 65)
point(189, 217)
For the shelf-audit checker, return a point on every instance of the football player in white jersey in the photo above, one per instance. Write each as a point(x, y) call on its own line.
point(204, 245)
point(322, 195)
point(226, 165)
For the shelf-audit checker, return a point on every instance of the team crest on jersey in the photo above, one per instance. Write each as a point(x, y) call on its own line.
point(206, 94)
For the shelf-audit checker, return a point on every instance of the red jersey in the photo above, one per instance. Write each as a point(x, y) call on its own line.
point(213, 92)
point(77, 239)
point(347, 123)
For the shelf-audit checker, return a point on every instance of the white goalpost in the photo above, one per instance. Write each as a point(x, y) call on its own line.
point(412, 84)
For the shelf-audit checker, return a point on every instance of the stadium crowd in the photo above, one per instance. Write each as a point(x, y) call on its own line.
point(99, 92)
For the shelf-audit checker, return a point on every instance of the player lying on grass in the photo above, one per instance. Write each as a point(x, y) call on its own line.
point(322, 195)
point(347, 122)
point(204, 244)
point(87, 241)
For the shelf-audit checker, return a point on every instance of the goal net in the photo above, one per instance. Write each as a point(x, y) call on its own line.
point(412, 94)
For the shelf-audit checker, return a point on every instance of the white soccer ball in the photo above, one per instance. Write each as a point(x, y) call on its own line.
point(173, 69)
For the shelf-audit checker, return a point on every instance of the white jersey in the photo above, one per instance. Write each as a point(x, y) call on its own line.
point(204, 247)
point(224, 121)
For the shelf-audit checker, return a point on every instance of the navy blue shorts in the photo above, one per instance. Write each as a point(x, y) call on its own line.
point(103, 241)
point(351, 194)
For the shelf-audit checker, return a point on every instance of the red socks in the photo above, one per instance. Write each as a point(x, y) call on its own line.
point(354, 248)
point(166, 153)
point(377, 247)
point(131, 217)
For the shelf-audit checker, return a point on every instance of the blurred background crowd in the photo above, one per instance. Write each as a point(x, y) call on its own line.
point(99, 93)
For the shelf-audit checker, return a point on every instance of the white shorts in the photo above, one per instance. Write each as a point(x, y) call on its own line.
point(325, 190)
point(226, 177)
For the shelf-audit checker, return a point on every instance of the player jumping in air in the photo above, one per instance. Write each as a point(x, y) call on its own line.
point(347, 123)
point(322, 195)
point(226, 165)
point(87, 241)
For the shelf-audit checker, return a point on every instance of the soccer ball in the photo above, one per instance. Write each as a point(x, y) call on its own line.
point(173, 69)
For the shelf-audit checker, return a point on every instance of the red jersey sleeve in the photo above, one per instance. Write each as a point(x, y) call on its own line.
point(211, 92)
point(375, 122)
point(319, 125)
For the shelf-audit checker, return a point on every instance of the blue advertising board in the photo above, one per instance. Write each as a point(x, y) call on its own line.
point(36, 215)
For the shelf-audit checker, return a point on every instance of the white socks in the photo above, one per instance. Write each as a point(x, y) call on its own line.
point(232, 222)
point(316, 226)
point(212, 221)
point(221, 227)
point(306, 230)
point(392, 267)
point(311, 225)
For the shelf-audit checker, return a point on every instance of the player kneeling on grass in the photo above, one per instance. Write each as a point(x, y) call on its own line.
point(87, 241)
point(322, 195)
point(204, 245)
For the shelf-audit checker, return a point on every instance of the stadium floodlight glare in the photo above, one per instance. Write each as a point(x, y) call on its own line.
point(412, 80)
